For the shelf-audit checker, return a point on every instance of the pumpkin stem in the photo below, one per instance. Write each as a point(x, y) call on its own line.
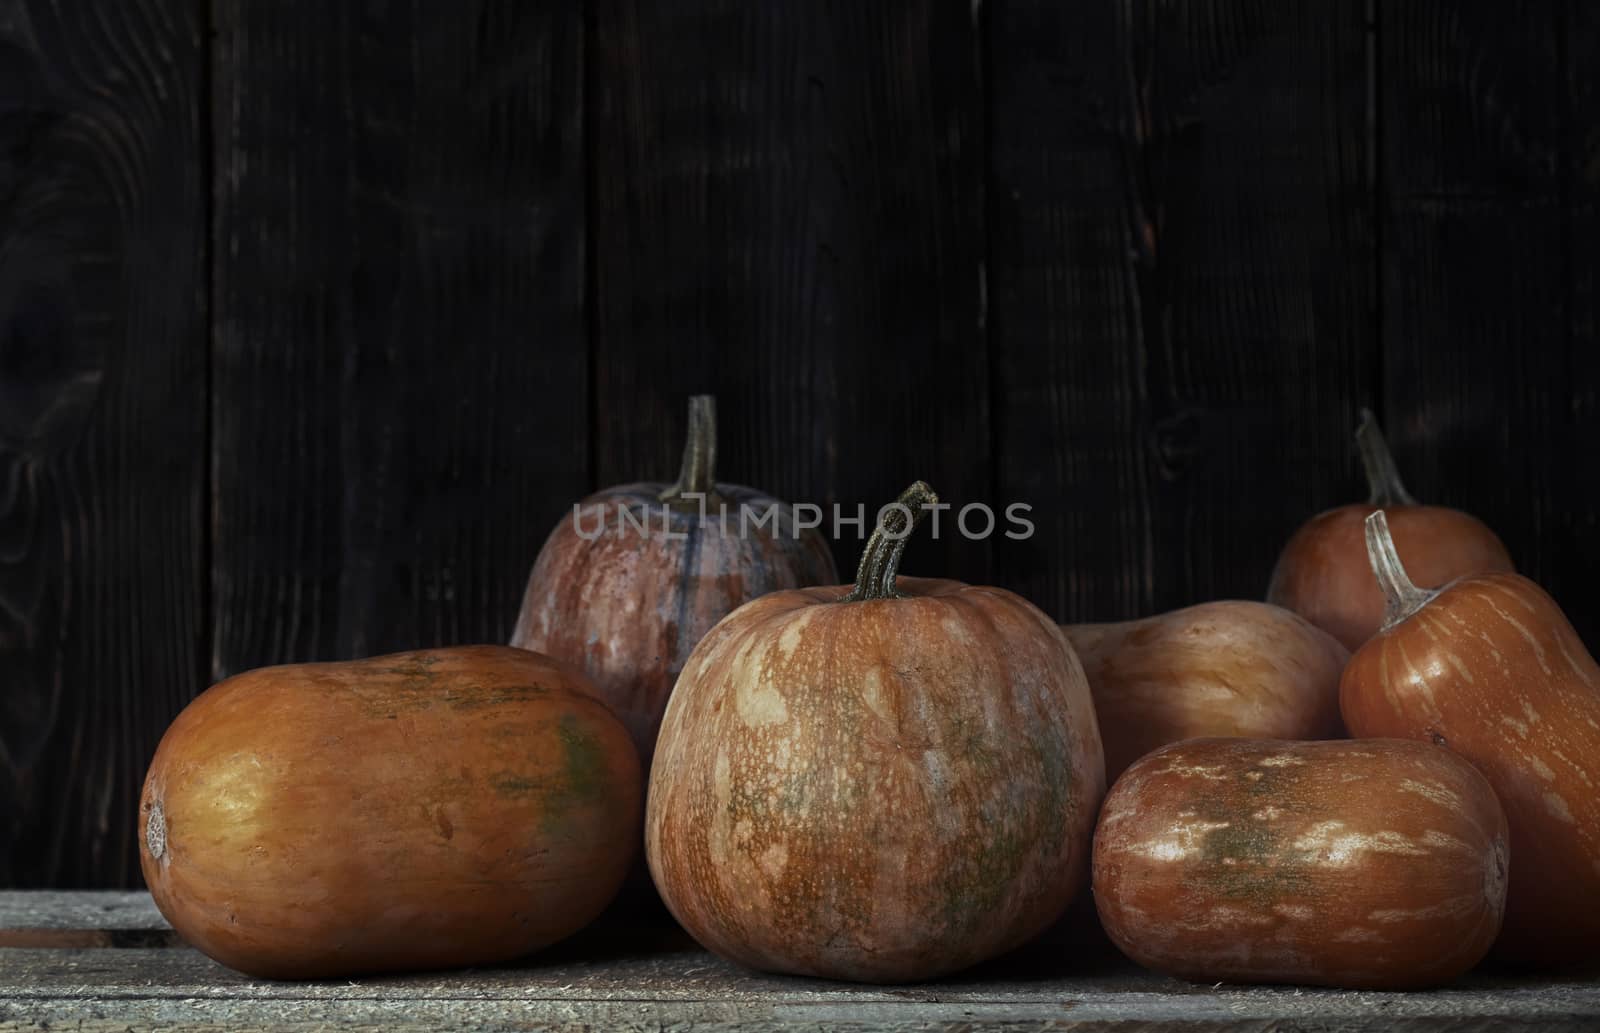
point(881, 560)
point(1383, 477)
point(697, 475)
point(1402, 597)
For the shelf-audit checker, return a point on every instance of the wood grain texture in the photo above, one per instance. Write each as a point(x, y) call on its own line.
point(1485, 366)
point(787, 213)
point(1577, 508)
point(1135, 264)
point(1181, 250)
point(102, 419)
point(400, 373)
point(627, 977)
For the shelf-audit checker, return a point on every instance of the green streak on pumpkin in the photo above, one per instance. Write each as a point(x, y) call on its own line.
point(584, 776)
point(417, 691)
point(585, 760)
point(470, 697)
point(417, 667)
point(1055, 757)
point(1249, 860)
point(509, 783)
point(983, 877)
point(1036, 820)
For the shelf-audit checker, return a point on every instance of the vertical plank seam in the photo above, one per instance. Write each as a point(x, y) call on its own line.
point(982, 22)
point(206, 644)
point(1564, 184)
point(589, 286)
point(1378, 347)
point(1134, 142)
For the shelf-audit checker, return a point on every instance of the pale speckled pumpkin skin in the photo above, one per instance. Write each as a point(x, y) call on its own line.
point(1492, 669)
point(883, 790)
point(629, 608)
point(1377, 863)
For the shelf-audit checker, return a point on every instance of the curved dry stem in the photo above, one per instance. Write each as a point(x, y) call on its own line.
point(1402, 598)
point(880, 562)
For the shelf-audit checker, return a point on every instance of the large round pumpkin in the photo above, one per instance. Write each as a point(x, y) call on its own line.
point(432, 809)
point(627, 585)
point(883, 782)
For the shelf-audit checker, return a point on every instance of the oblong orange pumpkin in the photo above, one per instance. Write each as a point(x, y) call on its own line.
point(1489, 667)
point(1322, 572)
point(1233, 667)
point(884, 782)
point(431, 809)
point(1366, 864)
point(626, 587)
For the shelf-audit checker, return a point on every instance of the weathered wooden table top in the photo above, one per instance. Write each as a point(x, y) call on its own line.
point(104, 961)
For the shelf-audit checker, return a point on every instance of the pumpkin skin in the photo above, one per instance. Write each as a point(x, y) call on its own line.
point(1322, 573)
point(627, 608)
point(1234, 667)
point(885, 789)
point(1490, 668)
point(1369, 864)
point(422, 810)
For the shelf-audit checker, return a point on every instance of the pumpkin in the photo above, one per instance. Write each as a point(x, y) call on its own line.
point(1489, 667)
point(430, 809)
point(627, 586)
point(1224, 668)
point(1372, 864)
point(1322, 572)
point(884, 781)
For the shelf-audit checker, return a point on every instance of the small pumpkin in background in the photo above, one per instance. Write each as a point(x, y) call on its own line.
point(881, 782)
point(1235, 667)
point(1488, 667)
point(433, 809)
point(1322, 573)
point(628, 604)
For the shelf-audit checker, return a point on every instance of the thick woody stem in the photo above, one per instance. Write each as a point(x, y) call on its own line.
point(881, 560)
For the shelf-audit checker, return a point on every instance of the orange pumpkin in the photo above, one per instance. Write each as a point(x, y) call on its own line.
point(1489, 667)
point(1225, 668)
point(1322, 572)
point(884, 782)
point(627, 586)
point(432, 809)
point(1379, 863)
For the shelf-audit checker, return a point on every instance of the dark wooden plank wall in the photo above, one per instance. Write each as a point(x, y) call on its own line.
point(1182, 249)
point(788, 211)
point(399, 383)
point(314, 318)
point(103, 258)
point(1490, 160)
